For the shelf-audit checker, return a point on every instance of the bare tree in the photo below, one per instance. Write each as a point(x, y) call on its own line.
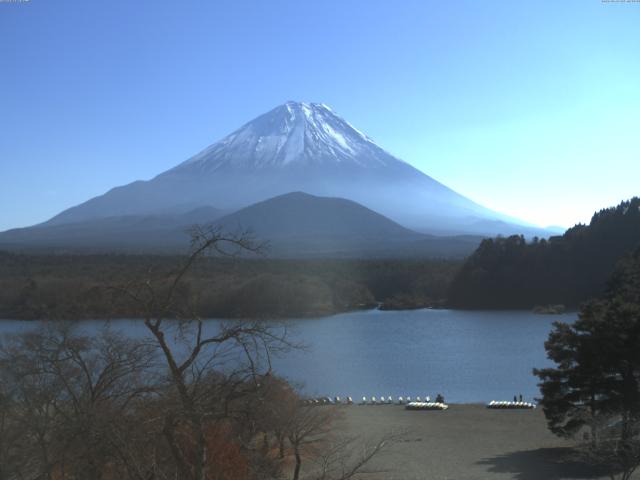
point(306, 429)
point(191, 352)
point(348, 457)
point(311, 432)
point(68, 395)
point(10, 445)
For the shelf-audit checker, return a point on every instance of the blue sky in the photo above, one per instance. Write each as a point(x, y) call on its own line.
point(531, 108)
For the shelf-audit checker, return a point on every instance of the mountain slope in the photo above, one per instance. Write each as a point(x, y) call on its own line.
point(300, 215)
point(302, 225)
point(130, 233)
point(300, 147)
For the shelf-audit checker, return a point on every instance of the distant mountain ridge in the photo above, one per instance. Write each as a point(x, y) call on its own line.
point(295, 225)
point(303, 147)
point(125, 233)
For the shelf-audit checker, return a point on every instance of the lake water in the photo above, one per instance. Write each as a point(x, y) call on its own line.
point(468, 356)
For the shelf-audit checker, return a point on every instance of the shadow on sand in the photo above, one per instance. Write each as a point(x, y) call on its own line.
point(545, 463)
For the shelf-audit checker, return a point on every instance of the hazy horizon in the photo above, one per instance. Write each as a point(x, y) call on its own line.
point(527, 109)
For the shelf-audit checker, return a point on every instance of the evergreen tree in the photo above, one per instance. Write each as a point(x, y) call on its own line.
point(596, 381)
point(568, 269)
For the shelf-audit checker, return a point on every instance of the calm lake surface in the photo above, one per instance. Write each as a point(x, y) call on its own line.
point(468, 356)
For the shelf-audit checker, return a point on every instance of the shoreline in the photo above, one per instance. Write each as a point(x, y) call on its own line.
point(302, 316)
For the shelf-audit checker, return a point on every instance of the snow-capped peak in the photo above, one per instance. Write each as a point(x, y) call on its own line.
point(293, 134)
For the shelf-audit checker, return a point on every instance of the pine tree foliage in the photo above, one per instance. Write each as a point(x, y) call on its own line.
point(595, 385)
point(568, 269)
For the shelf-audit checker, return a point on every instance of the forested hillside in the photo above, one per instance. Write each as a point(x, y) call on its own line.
point(81, 286)
point(568, 269)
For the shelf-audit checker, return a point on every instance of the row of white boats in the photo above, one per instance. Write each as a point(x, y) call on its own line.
point(426, 406)
point(391, 401)
point(382, 400)
point(506, 404)
point(328, 401)
point(416, 404)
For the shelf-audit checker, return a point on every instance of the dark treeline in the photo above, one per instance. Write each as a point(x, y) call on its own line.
point(77, 286)
point(568, 269)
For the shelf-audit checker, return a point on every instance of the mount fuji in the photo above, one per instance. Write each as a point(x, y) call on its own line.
point(300, 147)
point(296, 147)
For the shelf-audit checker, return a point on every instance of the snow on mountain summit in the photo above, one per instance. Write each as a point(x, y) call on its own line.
point(292, 134)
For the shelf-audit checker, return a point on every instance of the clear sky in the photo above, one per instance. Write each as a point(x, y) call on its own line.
point(529, 107)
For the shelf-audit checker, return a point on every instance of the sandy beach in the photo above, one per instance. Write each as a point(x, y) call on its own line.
point(467, 442)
